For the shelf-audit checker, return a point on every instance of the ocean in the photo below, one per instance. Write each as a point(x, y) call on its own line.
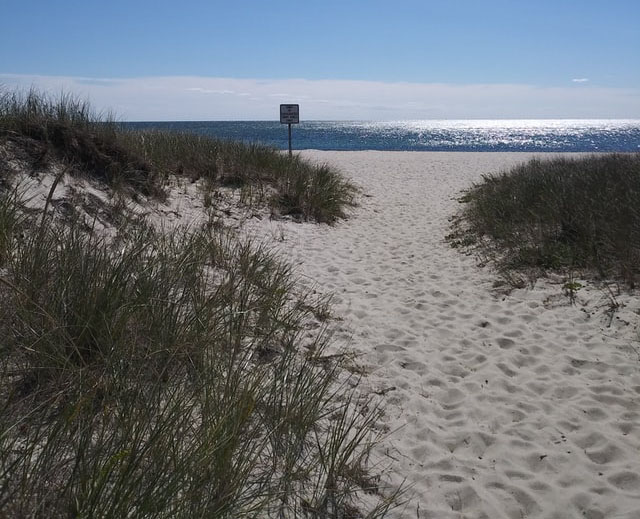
point(559, 135)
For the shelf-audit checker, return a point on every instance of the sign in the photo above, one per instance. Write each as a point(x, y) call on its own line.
point(289, 114)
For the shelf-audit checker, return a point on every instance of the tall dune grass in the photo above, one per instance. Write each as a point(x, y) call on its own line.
point(575, 213)
point(167, 375)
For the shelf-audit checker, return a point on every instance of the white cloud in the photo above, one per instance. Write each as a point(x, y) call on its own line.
point(203, 98)
point(580, 80)
point(209, 91)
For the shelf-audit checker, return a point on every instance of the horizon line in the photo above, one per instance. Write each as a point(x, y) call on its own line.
point(302, 121)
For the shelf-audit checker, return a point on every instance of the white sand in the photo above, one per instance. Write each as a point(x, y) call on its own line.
point(518, 405)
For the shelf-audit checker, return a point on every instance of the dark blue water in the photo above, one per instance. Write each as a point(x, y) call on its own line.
point(498, 135)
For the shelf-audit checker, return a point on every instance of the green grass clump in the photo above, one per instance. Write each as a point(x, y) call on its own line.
point(576, 213)
point(293, 185)
point(67, 129)
point(167, 375)
point(10, 221)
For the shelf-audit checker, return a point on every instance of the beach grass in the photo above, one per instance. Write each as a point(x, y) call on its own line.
point(67, 128)
point(167, 374)
point(576, 214)
point(291, 185)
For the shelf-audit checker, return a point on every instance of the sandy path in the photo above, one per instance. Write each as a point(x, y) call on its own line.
point(505, 406)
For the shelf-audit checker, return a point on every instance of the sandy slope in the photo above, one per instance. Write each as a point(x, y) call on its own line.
point(502, 406)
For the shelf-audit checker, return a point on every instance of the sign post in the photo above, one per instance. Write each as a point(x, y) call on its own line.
point(289, 114)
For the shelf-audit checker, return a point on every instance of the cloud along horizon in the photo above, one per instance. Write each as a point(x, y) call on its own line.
point(174, 98)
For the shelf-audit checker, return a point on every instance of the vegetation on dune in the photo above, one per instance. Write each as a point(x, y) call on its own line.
point(68, 129)
point(565, 213)
point(292, 185)
point(167, 374)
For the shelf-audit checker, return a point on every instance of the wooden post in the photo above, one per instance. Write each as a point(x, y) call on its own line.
point(289, 139)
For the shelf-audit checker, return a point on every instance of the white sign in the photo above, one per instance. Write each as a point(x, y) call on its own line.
point(289, 114)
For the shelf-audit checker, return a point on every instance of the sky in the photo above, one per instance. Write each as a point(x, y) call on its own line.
point(362, 60)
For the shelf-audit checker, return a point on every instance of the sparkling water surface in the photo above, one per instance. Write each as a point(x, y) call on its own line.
point(560, 135)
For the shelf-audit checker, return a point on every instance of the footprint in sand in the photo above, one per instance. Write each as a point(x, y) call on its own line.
point(463, 498)
point(505, 343)
point(625, 480)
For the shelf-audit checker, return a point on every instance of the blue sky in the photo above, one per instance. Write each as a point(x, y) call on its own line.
point(338, 59)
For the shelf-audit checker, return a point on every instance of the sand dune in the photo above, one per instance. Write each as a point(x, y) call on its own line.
point(518, 405)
